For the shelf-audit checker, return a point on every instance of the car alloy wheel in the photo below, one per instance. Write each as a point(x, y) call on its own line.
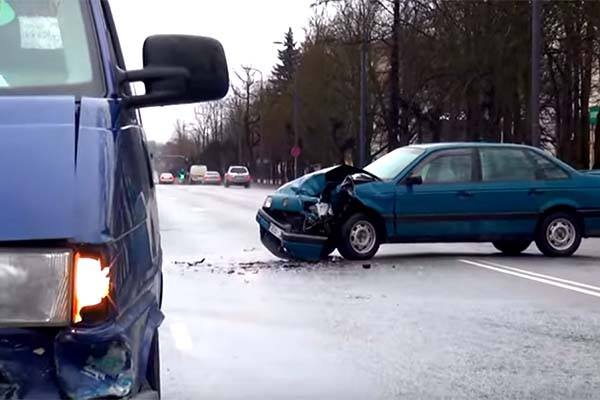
point(359, 238)
point(559, 234)
point(363, 237)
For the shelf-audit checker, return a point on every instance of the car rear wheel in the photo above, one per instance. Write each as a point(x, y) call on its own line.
point(512, 247)
point(359, 238)
point(559, 234)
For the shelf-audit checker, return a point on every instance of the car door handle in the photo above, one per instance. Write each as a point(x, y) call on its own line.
point(535, 192)
point(464, 193)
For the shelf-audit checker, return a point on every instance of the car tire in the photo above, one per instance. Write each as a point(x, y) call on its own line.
point(247, 186)
point(559, 234)
point(512, 247)
point(153, 368)
point(359, 238)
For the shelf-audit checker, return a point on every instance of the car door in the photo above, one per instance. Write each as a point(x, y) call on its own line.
point(509, 195)
point(438, 208)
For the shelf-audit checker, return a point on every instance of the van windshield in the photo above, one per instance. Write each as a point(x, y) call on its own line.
point(48, 47)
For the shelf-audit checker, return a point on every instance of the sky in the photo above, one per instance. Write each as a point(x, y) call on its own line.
point(246, 28)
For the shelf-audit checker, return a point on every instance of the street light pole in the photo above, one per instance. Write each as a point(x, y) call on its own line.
point(536, 55)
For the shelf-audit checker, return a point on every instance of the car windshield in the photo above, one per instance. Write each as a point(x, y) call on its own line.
point(238, 170)
point(47, 47)
point(392, 164)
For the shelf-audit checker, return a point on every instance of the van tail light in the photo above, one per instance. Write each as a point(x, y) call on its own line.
point(91, 285)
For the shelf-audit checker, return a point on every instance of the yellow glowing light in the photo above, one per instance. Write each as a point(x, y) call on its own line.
point(92, 284)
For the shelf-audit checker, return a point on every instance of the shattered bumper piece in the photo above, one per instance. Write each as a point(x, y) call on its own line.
point(288, 245)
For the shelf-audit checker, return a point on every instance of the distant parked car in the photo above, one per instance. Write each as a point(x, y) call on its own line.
point(211, 178)
point(197, 173)
point(237, 175)
point(167, 178)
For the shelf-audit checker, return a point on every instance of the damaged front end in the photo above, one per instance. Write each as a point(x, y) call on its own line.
point(300, 220)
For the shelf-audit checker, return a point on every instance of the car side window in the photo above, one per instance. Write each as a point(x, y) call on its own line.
point(546, 169)
point(501, 164)
point(452, 166)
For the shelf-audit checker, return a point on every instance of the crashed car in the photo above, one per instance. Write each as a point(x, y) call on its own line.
point(509, 195)
point(80, 253)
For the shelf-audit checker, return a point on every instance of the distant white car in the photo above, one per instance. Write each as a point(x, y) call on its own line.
point(166, 178)
point(238, 175)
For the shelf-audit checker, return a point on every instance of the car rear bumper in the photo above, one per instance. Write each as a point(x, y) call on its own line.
point(287, 244)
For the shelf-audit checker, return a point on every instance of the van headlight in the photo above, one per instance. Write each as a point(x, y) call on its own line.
point(35, 287)
point(268, 202)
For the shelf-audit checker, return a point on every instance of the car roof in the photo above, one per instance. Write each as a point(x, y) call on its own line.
point(237, 166)
point(457, 145)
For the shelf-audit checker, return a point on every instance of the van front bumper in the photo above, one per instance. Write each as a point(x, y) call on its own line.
point(105, 361)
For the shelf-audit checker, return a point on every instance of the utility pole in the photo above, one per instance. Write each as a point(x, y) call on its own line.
point(536, 56)
point(363, 86)
point(394, 128)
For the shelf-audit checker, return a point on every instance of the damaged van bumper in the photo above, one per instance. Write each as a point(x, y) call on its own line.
point(279, 240)
point(105, 361)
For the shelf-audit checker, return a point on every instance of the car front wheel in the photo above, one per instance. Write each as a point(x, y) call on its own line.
point(359, 239)
point(559, 235)
point(512, 247)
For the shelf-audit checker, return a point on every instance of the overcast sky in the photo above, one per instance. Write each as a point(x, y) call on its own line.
point(247, 29)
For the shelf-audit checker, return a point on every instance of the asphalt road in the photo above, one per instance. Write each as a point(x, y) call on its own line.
point(425, 321)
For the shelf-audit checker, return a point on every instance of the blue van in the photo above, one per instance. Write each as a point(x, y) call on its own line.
point(80, 254)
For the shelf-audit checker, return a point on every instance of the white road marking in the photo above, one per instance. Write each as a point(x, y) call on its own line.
point(533, 278)
point(553, 278)
point(181, 336)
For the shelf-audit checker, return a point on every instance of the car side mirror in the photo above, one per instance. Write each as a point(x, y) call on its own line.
point(179, 69)
point(413, 180)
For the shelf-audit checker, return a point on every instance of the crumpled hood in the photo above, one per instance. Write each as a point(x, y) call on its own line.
point(50, 174)
point(313, 184)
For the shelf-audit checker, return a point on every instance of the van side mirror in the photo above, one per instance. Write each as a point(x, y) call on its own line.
point(413, 180)
point(179, 69)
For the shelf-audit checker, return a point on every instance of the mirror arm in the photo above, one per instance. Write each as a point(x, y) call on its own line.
point(151, 74)
point(147, 75)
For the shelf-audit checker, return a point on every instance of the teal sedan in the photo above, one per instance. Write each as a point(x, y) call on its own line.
point(509, 195)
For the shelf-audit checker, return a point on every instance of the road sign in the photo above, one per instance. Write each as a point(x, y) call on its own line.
point(296, 151)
